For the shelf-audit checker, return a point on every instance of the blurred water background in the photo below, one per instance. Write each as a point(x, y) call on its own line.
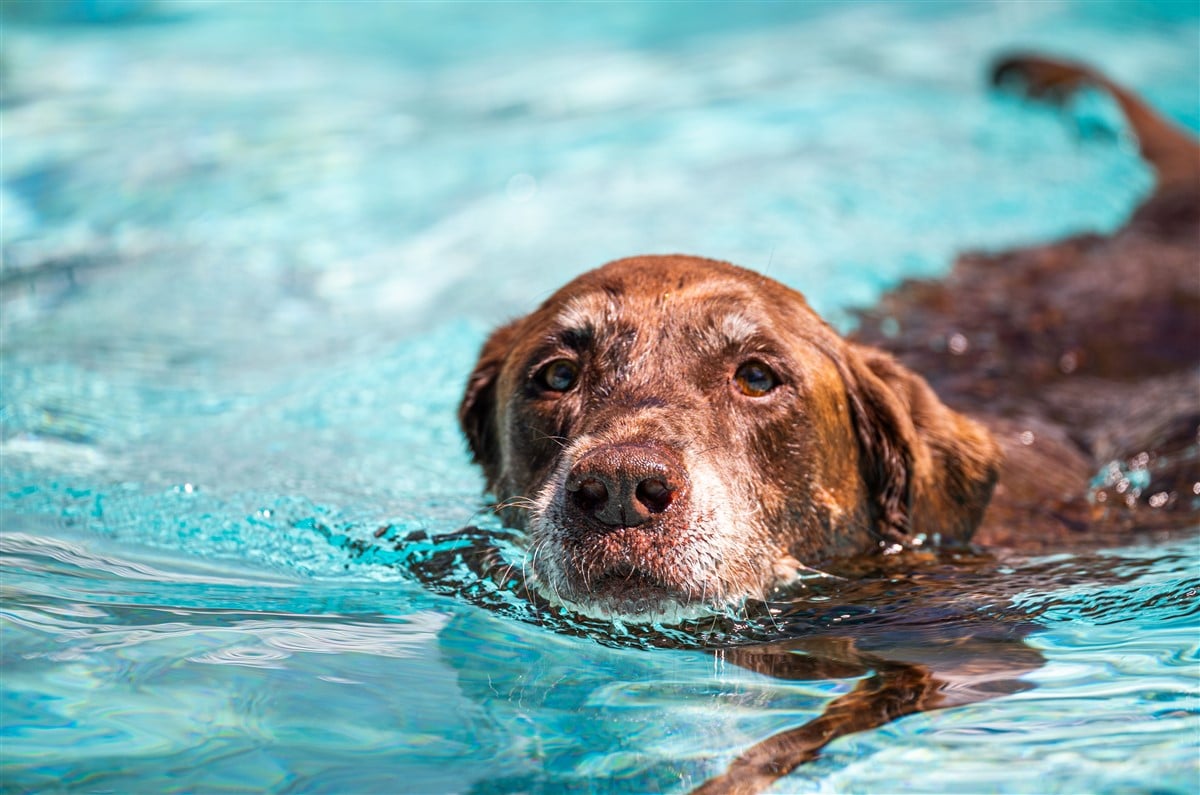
point(250, 250)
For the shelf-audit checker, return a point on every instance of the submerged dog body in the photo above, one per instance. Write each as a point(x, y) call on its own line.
point(675, 431)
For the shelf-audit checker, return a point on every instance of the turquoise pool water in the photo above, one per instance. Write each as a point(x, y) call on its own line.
point(250, 251)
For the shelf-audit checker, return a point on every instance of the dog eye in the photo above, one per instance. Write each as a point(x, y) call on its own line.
point(558, 376)
point(755, 379)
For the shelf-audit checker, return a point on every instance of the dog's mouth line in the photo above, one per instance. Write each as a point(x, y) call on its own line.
point(626, 575)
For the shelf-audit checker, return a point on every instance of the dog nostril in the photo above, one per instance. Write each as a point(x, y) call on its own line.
point(591, 494)
point(654, 494)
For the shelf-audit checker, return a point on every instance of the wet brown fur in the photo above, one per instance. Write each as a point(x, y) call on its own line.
point(1031, 360)
point(852, 450)
point(1077, 353)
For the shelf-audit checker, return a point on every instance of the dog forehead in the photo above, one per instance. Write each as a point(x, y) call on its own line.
point(711, 303)
point(673, 275)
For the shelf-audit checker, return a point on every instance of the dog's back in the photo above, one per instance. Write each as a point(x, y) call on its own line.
point(1084, 351)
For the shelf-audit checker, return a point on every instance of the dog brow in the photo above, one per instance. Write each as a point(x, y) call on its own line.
point(577, 339)
point(738, 329)
point(731, 331)
point(579, 320)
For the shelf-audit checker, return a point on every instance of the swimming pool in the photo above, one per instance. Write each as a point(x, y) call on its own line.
point(250, 251)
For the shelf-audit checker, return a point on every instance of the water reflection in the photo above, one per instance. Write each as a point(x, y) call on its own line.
point(912, 633)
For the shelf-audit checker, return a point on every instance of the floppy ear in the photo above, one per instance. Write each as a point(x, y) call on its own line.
point(928, 470)
point(477, 411)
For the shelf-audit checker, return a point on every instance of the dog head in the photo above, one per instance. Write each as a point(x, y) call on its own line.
point(674, 431)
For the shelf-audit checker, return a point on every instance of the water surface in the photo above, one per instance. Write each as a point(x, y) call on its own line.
point(249, 253)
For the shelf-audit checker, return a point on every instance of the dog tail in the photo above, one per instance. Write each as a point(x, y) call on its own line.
point(1172, 152)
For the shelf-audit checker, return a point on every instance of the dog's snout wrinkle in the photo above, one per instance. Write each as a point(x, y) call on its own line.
point(624, 485)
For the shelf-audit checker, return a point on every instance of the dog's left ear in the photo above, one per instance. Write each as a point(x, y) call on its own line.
point(929, 470)
point(477, 411)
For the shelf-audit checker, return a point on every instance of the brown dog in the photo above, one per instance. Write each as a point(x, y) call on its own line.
point(675, 431)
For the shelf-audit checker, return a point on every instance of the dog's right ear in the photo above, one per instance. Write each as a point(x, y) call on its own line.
point(477, 412)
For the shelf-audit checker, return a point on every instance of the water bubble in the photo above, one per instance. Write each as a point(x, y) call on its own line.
point(958, 344)
point(1158, 500)
point(1027, 438)
point(1133, 478)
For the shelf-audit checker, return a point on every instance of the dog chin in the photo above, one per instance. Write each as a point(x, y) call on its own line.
point(623, 595)
point(634, 605)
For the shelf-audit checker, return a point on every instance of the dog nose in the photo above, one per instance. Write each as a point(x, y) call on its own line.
point(624, 485)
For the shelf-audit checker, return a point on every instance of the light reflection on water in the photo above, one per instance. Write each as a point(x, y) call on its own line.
point(235, 681)
point(249, 251)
